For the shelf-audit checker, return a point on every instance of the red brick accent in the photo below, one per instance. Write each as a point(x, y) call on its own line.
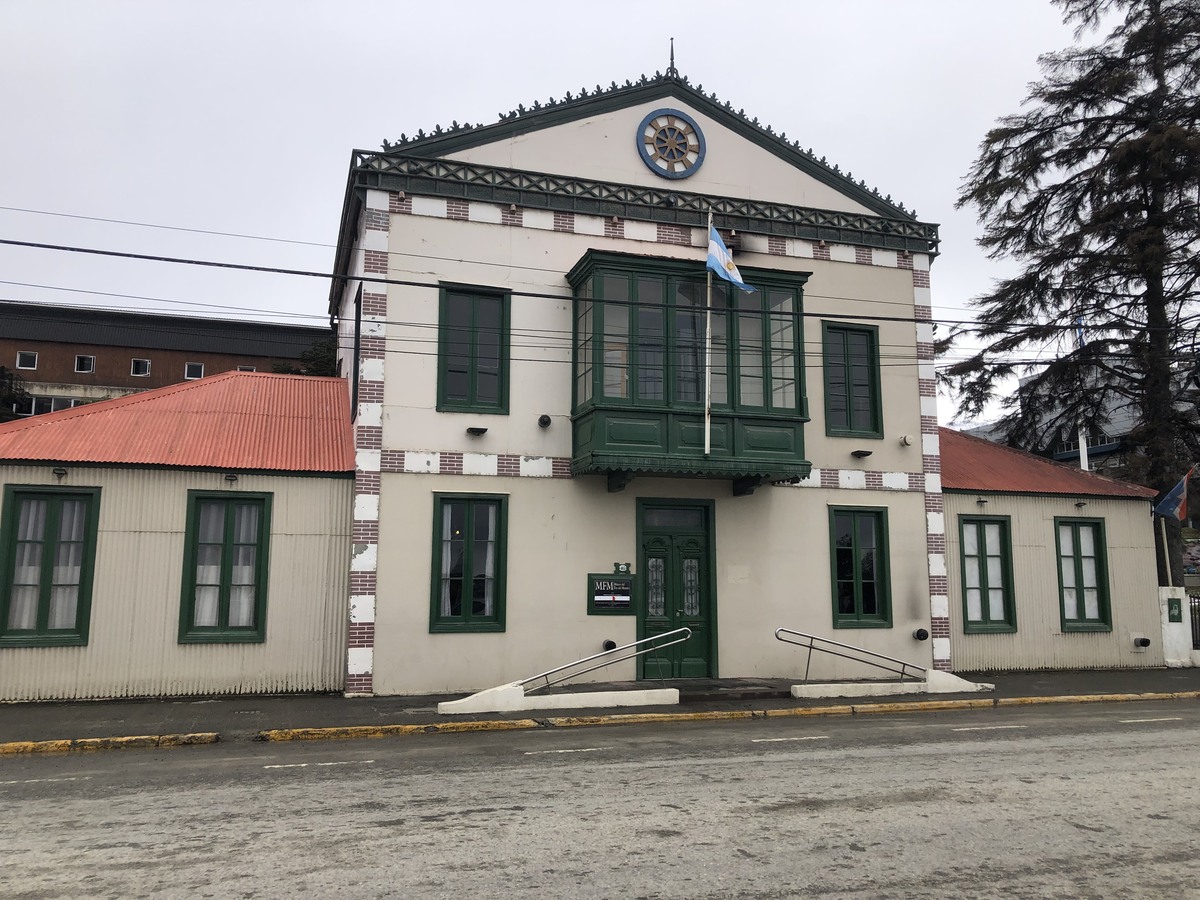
point(363, 532)
point(939, 584)
point(396, 205)
point(375, 262)
point(933, 503)
point(508, 464)
point(829, 478)
point(564, 221)
point(929, 425)
point(458, 209)
point(371, 346)
point(903, 259)
point(874, 481)
point(362, 583)
point(512, 215)
point(370, 392)
point(614, 227)
point(927, 387)
point(942, 665)
point(374, 304)
point(935, 543)
point(923, 313)
point(674, 234)
point(920, 278)
point(820, 252)
point(863, 256)
point(451, 463)
point(368, 437)
point(361, 634)
point(376, 220)
point(560, 467)
point(924, 350)
point(939, 627)
point(776, 246)
point(366, 482)
point(360, 684)
point(392, 461)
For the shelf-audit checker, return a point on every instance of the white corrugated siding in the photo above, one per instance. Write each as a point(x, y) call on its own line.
point(1039, 642)
point(133, 648)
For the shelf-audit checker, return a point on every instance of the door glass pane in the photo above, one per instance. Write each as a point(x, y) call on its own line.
point(691, 587)
point(656, 600)
point(691, 518)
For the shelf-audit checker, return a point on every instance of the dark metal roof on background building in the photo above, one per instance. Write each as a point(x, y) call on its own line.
point(112, 328)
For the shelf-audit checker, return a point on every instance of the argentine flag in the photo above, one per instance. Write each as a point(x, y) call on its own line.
point(721, 262)
point(1175, 505)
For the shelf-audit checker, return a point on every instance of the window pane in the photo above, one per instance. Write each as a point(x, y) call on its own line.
point(206, 606)
point(22, 607)
point(720, 345)
point(651, 354)
point(212, 523)
point(974, 605)
point(690, 518)
point(996, 605)
point(616, 351)
point(689, 342)
point(750, 360)
point(241, 606)
point(245, 523)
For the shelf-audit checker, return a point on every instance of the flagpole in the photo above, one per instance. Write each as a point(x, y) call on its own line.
point(708, 352)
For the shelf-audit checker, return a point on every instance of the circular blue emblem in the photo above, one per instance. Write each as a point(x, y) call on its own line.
point(671, 143)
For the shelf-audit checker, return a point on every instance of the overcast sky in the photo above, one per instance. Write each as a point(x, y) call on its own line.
point(239, 117)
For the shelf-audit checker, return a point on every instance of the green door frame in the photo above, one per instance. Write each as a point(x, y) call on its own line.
point(710, 580)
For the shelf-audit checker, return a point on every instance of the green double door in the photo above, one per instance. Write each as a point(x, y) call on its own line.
point(675, 566)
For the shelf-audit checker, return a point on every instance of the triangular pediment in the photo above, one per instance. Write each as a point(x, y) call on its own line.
point(596, 135)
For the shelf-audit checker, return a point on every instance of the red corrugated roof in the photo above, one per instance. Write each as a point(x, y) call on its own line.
point(236, 420)
point(973, 464)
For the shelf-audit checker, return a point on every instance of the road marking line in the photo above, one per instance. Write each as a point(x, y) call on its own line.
point(580, 750)
point(306, 765)
point(46, 780)
point(989, 728)
point(819, 737)
point(1164, 719)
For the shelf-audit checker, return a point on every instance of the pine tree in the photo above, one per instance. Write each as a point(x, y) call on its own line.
point(1094, 190)
point(12, 394)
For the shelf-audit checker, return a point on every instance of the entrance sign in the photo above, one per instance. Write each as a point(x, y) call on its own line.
point(610, 595)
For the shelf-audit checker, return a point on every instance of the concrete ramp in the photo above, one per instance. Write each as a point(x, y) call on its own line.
point(512, 698)
point(935, 683)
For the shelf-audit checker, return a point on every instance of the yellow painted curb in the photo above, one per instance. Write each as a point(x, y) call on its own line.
point(711, 715)
point(361, 732)
point(1099, 698)
point(130, 742)
point(924, 706)
point(810, 711)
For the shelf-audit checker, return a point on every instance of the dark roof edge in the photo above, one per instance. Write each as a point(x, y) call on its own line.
point(573, 107)
point(100, 464)
point(1002, 492)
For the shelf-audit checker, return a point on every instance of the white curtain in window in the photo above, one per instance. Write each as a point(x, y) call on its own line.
point(27, 565)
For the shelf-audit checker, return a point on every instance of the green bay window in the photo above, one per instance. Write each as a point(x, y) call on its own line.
point(640, 365)
point(47, 558)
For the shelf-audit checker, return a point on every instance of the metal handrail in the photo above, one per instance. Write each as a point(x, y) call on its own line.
point(812, 645)
point(684, 634)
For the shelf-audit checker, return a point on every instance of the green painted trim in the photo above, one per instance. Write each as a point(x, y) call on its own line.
point(222, 633)
point(1102, 584)
point(496, 622)
point(1009, 624)
point(689, 467)
point(843, 332)
point(639, 584)
point(43, 636)
point(475, 293)
point(883, 580)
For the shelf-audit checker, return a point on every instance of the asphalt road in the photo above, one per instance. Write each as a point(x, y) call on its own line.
point(1066, 801)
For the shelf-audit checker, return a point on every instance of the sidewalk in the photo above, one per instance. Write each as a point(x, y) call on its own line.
point(110, 724)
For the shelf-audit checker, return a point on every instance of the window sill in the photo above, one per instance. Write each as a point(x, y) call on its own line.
point(42, 640)
point(1085, 627)
point(861, 623)
point(989, 629)
point(866, 435)
point(465, 627)
point(222, 637)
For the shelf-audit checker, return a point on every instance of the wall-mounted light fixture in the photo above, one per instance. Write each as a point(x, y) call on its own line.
point(476, 431)
point(60, 473)
point(230, 478)
point(906, 440)
point(860, 454)
point(1080, 504)
point(544, 421)
point(981, 501)
point(920, 635)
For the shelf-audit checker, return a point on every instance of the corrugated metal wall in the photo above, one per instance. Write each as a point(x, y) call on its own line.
point(1039, 642)
point(133, 648)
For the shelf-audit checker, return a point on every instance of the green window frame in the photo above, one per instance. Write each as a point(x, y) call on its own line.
point(225, 568)
point(850, 361)
point(48, 539)
point(473, 349)
point(1082, 574)
point(859, 567)
point(639, 338)
point(985, 544)
point(470, 537)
